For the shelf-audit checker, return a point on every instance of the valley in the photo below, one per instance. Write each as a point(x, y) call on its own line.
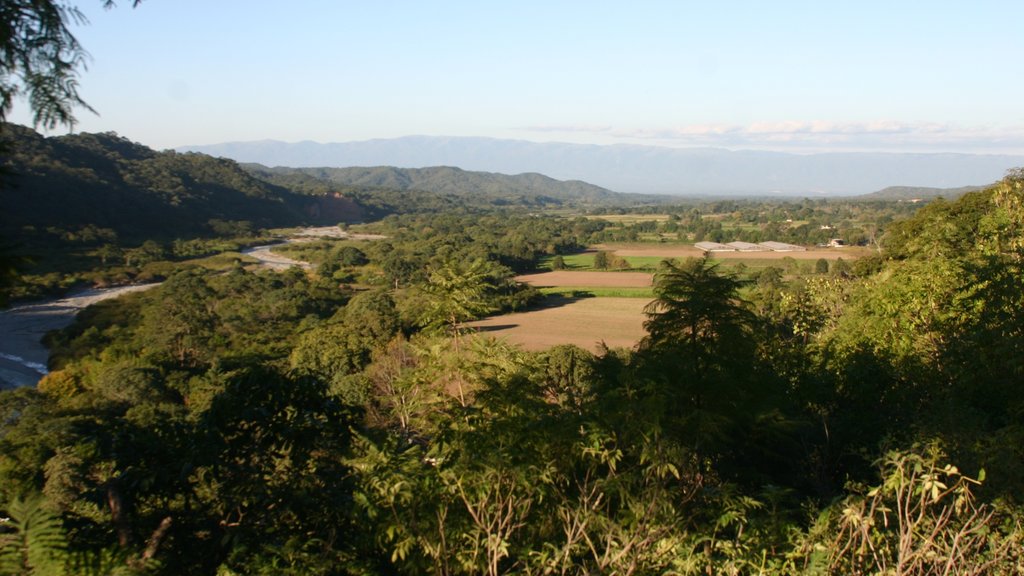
point(246, 374)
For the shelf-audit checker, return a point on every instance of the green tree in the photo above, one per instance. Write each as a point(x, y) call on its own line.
point(695, 307)
point(602, 260)
point(352, 256)
point(182, 323)
point(457, 293)
point(40, 58)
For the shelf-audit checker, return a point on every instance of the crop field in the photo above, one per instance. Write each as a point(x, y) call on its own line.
point(592, 306)
point(646, 257)
point(661, 251)
point(585, 322)
point(567, 279)
point(584, 308)
point(602, 292)
point(630, 218)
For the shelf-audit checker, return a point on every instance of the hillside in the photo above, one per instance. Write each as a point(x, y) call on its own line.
point(80, 185)
point(521, 189)
point(108, 182)
point(643, 169)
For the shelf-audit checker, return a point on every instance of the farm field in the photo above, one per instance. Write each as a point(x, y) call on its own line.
point(585, 322)
point(612, 313)
point(687, 251)
point(593, 279)
point(611, 307)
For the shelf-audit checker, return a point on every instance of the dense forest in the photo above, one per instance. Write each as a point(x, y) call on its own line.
point(346, 421)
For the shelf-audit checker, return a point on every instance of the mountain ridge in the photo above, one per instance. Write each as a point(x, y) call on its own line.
point(449, 180)
point(634, 168)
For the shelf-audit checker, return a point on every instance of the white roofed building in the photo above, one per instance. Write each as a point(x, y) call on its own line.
point(782, 247)
point(748, 247)
point(714, 247)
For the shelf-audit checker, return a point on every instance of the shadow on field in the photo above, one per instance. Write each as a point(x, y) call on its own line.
point(495, 327)
point(559, 300)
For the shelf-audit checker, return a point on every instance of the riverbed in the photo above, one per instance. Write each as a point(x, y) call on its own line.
point(23, 357)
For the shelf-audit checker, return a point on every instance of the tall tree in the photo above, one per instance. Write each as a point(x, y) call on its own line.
point(457, 292)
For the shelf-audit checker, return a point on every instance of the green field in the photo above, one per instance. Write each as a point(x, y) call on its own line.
point(585, 261)
point(597, 292)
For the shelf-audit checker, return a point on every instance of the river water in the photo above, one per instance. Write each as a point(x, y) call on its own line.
point(22, 354)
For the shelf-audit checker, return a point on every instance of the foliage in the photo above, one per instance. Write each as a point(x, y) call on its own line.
point(32, 540)
point(922, 519)
point(235, 422)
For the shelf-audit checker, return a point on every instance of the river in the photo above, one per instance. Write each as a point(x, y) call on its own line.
point(23, 358)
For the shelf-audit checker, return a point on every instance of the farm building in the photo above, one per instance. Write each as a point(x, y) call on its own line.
point(713, 247)
point(747, 247)
point(782, 247)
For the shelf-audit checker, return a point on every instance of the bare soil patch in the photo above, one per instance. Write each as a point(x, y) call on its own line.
point(587, 322)
point(588, 279)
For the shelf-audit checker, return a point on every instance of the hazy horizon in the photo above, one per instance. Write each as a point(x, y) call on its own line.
point(789, 76)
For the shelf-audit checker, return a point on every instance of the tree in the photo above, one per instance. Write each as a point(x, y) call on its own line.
point(695, 306)
point(701, 358)
point(182, 323)
point(40, 59)
point(352, 256)
point(601, 260)
point(457, 293)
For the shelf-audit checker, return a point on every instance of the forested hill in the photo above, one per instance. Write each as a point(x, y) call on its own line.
point(108, 182)
point(528, 188)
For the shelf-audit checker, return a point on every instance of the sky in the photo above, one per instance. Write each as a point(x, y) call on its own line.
point(832, 75)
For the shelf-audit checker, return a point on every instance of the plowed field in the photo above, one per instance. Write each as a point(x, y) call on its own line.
point(587, 322)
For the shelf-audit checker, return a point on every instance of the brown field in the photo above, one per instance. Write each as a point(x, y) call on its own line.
point(587, 322)
point(617, 322)
point(687, 251)
point(588, 279)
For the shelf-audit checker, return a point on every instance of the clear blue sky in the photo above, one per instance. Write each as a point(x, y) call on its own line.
point(786, 75)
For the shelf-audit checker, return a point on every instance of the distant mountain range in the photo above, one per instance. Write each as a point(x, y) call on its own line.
point(643, 169)
point(913, 193)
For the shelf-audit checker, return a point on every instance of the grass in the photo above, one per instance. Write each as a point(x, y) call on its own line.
point(586, 262)
point(597, 292)
point(630, 218)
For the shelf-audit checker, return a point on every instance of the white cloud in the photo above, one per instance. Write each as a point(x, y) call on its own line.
point(817, 136)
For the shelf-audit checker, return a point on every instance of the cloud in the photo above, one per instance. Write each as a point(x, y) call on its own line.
point(818, 136)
